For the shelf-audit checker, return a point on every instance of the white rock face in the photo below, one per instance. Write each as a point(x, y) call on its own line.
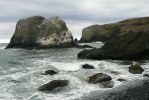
point(53, 39)
point(58, 33)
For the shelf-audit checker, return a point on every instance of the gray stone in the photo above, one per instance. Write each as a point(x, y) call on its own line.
point(38, 32)
point(53, 85)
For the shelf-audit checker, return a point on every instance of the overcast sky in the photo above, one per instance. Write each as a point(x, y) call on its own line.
point(77, 13)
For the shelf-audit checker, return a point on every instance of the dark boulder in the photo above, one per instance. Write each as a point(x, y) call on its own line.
point(104, 80)
point(146, 74)
point(49, 72)
point(87, 66)
point(121, 79)
point(99, 77)
point(135, 69)
point(53, 85)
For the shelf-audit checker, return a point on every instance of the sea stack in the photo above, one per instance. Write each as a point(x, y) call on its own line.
point(38, 32)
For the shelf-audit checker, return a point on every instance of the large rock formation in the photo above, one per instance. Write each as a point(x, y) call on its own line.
point(98, 33)
point(107, 32)
point(39, 32)
point(131, 44)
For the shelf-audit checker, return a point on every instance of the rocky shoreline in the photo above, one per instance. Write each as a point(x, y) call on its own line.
point(137, 90)
point(131, 43)
point(124, 40)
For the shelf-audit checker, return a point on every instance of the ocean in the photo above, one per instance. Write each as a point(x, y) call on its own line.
point(27, 66)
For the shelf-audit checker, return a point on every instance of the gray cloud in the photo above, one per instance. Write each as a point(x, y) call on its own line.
point(89, 10)
point(77, 13)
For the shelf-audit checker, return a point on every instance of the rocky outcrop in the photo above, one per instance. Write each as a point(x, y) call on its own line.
point(38, 32)
point(107, 32)
point(135, 69)
point(132, 46)
point(53, 85)
point(98, 33)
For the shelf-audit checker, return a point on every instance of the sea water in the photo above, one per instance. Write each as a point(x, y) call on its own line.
point(27, 66)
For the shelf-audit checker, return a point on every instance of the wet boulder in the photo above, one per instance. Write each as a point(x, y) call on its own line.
point(135, 69)
point(99, 77)
point(87, 66)
point(49, 72)
point(104, 80)
point(121, 79)
point(53, 85)
point(146, 74)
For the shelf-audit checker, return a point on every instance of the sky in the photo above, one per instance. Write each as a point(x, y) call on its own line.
point(77, 13)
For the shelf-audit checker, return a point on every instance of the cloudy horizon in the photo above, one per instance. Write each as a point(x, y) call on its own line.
point(77, 13)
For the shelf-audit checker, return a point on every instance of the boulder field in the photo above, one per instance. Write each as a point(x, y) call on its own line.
point(131, 44)
point(38, 32)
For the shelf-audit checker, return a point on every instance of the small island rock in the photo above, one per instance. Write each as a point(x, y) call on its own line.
point(38, 32)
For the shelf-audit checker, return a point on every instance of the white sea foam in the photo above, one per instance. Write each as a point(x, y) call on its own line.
point(32, 65)
point(4, 40)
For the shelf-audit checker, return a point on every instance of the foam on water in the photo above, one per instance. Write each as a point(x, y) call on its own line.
point(4, 40)
point(27, 65)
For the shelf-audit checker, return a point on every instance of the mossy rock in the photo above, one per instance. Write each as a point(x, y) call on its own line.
point(136, 69)
point(99, 77)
